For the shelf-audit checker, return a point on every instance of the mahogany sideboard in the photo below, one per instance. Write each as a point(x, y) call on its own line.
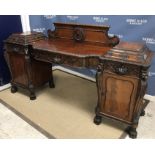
point(122, 67)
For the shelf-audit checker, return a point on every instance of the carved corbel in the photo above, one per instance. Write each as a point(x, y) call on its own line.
point(144, 74)
point(26, 52)
point(100, 68)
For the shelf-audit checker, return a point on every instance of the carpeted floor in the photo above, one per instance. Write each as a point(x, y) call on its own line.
point(66, 111)
point(146, 127)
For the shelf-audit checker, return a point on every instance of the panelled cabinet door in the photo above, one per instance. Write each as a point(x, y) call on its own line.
point(118, 95)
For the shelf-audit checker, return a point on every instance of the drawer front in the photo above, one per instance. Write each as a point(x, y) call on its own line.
point(15, 48)
point(122, 69)
point(58, 58)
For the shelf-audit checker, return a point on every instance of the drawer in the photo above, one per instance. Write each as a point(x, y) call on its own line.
point(58, 58)
point(121, 68)
point(15, 48)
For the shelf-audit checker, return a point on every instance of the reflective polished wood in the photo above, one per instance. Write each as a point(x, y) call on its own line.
point(122, 68)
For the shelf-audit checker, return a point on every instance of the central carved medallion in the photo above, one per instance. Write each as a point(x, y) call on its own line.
point(78, 35)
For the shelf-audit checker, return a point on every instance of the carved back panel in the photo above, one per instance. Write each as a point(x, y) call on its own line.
point(90, 34)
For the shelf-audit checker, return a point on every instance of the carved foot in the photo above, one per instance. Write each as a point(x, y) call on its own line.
point(97, 120)
point(32, 96)
point(132, 132)
point(32, 92)
point(51, 84)
point(142, 113)
point(13, 89)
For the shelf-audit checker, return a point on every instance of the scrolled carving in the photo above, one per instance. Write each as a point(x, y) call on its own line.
point(78, 35)
point(114, 40)
point(51, 34)
point(121, 70)
point(115, 67)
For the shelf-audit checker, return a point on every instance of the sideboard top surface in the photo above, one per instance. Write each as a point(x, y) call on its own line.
point(70, 47)
point(130, 52)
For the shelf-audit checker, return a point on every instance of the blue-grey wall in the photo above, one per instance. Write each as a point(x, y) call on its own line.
point(127, 28)
point(8, 24)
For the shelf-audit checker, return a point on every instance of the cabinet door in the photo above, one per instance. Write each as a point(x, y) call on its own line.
point(18, 68)
point(118, 95)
